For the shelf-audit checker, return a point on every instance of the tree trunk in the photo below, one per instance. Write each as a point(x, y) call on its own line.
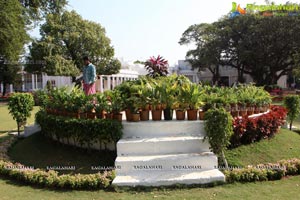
point(18, 124)
point(224, 160)
point(4, 89)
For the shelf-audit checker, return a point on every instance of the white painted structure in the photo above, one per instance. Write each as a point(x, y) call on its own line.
point(227, 73)
point(165, 153)
point(109, 82)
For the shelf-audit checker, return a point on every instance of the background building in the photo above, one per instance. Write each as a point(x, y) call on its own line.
point(228, 75)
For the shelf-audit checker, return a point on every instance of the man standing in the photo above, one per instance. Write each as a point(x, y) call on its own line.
point(89, 77)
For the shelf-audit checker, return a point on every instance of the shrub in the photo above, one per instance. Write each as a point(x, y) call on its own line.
point(20, 105)
point(51, 179)
point(264, 172)
point(292, 103)
point(252, 129)
point(218, 127)
point(82, 131)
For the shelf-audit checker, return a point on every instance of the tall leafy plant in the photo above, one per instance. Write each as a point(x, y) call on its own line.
point(157, 66)
point(292, 103)
point(20, 105)
point(218, 127)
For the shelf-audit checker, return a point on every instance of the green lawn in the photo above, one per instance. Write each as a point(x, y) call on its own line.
point(284, 145)
point(7, 123)
point(284, 189)
point(32, 150)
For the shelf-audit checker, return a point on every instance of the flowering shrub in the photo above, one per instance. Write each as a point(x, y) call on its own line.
point(252, 129)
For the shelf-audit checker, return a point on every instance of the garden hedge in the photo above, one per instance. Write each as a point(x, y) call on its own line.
point(81, 131)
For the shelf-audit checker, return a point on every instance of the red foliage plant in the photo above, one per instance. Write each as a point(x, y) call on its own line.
point(252, 129)
point(157, 66)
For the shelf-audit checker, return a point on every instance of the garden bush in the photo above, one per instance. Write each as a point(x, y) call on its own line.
point(51, 179)
point(20, 106)
point(81, 131)
point(252, 129)
point(264, 172)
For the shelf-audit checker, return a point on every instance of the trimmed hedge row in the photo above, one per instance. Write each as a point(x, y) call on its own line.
point(264, 172)
point(81, 131)
point(51, 178)
point(252, 129)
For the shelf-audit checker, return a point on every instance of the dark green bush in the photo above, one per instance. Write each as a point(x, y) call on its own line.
point(82, 131)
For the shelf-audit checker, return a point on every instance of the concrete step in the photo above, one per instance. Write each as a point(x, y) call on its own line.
point(163, 128)
point(169, 178)
point(162, 145)
point(189, 162)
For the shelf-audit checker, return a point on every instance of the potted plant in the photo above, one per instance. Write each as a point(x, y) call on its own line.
point(116, 104)
point(192, 94)
point(90, 110)
point(156, 110)
point(101, 105)
point(135, 109)
point(126, 90)
point(168, 91)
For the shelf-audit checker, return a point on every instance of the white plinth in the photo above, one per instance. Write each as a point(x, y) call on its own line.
point(165, 153)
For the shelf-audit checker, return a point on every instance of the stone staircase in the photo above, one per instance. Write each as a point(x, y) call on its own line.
point(165, 153)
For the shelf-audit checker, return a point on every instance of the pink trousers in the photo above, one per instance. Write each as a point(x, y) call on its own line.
point(89, 89)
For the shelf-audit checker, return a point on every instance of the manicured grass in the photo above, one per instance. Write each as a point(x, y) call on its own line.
point(283, 189)
point(7, 123)
point(40, 152)
point(284, 145)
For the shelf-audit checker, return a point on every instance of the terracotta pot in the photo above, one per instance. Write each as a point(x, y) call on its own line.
point(243, 113)
point(75, 115)
point(163, 106)
point(192, 114)
point(109, 115)
point(135, 117)
point(91, 115)
point(156, 115)
point(117, 116)
point(82, 115)
point(128, 115)
point(147, 107)
point(250, 112)
point(180, 114)
point(144, 114)
point(201, 115)
point(99, 115)
point(168, 114)
point(235, 113)
point(158, 107)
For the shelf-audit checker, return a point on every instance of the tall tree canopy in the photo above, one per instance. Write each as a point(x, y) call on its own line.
point(263, 47)
point(17, 16)
point(66, 38)
point(13, 36)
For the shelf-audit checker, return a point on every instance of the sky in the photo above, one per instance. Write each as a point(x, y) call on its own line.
point(139, 29)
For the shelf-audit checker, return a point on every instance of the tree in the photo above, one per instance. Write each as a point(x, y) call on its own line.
point(263, 47)
point(17, 16)
point(20, 105)
point(66, 38)
point(207, 54)
point(292, 103)
point(13, 36)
